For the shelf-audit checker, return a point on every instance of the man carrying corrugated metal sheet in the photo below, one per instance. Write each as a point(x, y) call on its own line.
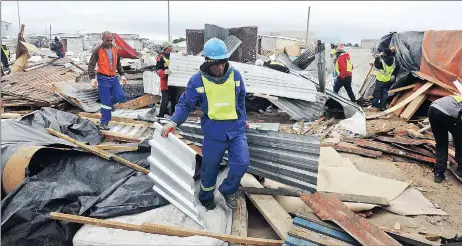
point(343, 67)
point(169, 93)
point(445, 115)
point(110, 91)
point(220, 91)
point(387, 69)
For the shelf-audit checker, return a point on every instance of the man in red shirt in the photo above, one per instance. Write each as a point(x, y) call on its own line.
point(343, 68)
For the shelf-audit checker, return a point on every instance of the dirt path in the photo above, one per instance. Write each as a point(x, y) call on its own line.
point(448, 195)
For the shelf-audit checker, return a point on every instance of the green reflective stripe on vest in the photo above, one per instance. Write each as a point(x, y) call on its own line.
point(457, 98)
point(167, 61)
point(6, 51)
point(276, 63)
point(349, 66)
point(221, 99)
point(200, 89)
point(207, 189)
point(106, 107)
point(384, 75)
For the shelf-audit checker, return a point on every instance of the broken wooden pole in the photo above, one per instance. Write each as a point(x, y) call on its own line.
point(99, 152)
point(162, 229)
point(240, 223)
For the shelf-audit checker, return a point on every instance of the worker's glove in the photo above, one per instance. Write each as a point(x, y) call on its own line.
point(94, 82)
point(123, 79)
point(168, 128)
point(168, 72)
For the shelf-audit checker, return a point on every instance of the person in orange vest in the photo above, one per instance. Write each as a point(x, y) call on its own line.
point(445, 115)
point(110, 91)
point(343, 67)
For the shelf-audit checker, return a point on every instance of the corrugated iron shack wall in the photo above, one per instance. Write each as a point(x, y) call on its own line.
point(248, 48)
point(194, 41)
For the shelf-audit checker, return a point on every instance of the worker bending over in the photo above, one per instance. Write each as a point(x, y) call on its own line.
point(220, 91)
point(110, 91)
point(385, 76)
point(445, 115)
point(163, 70)
point(343, 68)
point(273, 65)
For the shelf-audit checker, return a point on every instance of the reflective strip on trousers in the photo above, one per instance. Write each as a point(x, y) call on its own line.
point(106, 107)
point(207, 189)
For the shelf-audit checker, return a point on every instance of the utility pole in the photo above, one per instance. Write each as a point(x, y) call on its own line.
point(49, 41)
point(19, 17)
point(307, 28)
point(168, 10)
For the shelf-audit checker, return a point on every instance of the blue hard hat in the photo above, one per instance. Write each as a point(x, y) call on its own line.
point(215, 49)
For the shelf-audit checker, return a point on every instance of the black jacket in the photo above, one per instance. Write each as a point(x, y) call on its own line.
point(389, 61)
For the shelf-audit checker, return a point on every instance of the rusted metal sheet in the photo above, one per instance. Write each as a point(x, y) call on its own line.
point(401, 140)
point(415, 149)
point(328, 207)
point(394, 151)
point(36, 85)
point(351, 148)
point(139, 102)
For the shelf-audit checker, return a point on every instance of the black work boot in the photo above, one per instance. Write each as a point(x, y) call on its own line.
point(231, 200)
point(439, 178)
point(209, 204)
point(104, 127)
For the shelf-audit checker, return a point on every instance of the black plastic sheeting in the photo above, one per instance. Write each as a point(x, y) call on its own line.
point(82, 130)
point(67, 181)
point(408, 53)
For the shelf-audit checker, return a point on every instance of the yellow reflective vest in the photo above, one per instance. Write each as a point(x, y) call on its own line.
point(384, 75)
point(167, 62)
point(6, 51)
point(349, 65)
point(458, 98)
point(221, 98)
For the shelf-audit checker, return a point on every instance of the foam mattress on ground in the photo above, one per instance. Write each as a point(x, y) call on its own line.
point(218, 220)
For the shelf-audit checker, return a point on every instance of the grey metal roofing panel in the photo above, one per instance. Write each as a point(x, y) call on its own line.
point(172, 167)
point(302, 110)
point(288, 158)
point(305, 59)
point(82, 95)
point(214, 31)
point(231, 42)
point(194, 41)
point(285, 59)
point(257, 79)
point(247, 51)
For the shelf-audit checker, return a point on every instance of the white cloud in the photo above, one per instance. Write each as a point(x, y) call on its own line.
point(350, 21)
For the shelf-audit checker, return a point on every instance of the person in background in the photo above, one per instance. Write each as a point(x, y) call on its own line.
point(220, 91)
point(59, 48)
point(343, 67)
point(445, 115)
point(110, 91)
point(5, 57)
point(333, 53)
point(273, 65)
point(387, 68)
point(169, 93)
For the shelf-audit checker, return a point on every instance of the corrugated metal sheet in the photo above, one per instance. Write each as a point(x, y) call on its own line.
point(302, 110)
point(151, 83)
point(36, 85)
point(257, 79)
point(231, 42)
point(82, 95)
point(287, 158)
point(132, 114)
point(173, 166)
point(214, 31)
point(285, 59)
point(306, 58)
point(247, 51)
point(368, 87)
point(194, 41)
point(133, 130)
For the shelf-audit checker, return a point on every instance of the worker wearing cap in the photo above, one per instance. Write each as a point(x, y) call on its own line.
point(169, 93)
point(220, 91)
point(343, 67)
point(445, 115)
point(110, 91)
point(273, 65)
point(385, 76)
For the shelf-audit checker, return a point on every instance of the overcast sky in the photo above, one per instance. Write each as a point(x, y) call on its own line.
point(350, 21)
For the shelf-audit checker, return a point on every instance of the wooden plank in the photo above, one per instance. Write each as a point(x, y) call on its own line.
point(402, 89)
point(315, 237)
point(120, 137)
point(439, 83)
point(240, 218)
point(360, 198)
point(115, 118)
point(395, 99)
point(99, 152)
point(162, 229)
point(273, 212)
point(413, 106)
point(414, 95)
point(313, 125)
point(10, 116)
point(116, 147)
point(401, 98)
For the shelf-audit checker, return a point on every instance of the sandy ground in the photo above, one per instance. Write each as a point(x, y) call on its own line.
point(447, 195)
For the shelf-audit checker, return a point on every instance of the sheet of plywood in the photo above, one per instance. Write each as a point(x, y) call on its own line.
point(413, 106)
point(273, 212)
